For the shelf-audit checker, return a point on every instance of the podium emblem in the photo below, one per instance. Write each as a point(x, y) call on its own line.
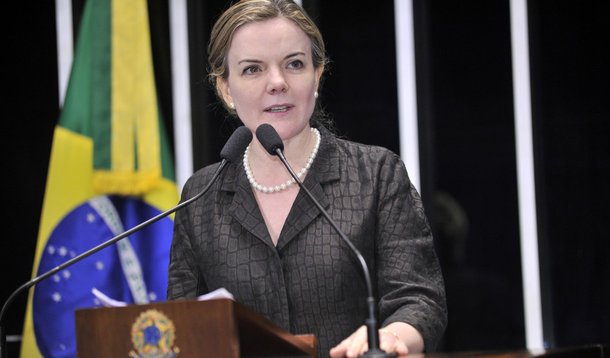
point(153, 335)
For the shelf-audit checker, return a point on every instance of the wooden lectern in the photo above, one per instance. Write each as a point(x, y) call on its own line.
point(215, 328)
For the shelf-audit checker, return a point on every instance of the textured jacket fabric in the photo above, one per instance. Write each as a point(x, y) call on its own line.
point(310, 282)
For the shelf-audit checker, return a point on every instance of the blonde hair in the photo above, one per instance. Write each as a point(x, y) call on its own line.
point(249, 11)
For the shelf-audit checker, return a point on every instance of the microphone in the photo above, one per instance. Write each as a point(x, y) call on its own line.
point(272, 142)
point(231, 152)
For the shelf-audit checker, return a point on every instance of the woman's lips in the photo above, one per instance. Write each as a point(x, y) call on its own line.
point(278, 108)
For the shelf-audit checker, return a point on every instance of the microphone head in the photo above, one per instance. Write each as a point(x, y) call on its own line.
point(268, 137)
point(236, 144)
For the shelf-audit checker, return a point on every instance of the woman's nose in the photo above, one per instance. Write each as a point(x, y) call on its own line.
point(277, 82)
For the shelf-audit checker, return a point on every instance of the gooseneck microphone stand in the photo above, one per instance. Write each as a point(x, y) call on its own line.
point(272, 142)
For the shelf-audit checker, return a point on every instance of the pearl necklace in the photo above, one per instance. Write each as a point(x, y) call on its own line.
point(286, 185)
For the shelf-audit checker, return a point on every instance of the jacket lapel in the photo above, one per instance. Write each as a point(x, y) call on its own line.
point(244, 208)
point(325, 169)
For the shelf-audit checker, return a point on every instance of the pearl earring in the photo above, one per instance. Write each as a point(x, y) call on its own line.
point(315, 94)
point(232, 105)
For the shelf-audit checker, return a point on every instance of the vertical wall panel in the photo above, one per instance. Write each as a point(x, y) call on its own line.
point(30, 110)
point(211, 126)
point(181, 91)
point(465, 97)
point(65, 44)
point(407, 89)
point(359, 91)
point(571, 89)
point(528, 223)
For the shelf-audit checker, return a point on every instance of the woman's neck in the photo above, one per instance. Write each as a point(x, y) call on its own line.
point(296, 150)
point(269, 170)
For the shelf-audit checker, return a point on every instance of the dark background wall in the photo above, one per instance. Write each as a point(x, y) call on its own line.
point(465, 103)
point(467, 144)
point(30, 109)
point(571, 111)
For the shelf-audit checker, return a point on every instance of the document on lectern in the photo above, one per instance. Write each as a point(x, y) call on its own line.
point(106, 301)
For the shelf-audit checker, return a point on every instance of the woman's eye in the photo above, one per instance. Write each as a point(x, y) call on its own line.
point(250, 70)
point(296, 64)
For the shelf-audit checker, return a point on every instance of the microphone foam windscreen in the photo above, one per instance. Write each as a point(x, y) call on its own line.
point(236, 145)
point(269, 138)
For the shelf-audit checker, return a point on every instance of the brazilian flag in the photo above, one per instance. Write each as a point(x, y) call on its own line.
point(110, 169)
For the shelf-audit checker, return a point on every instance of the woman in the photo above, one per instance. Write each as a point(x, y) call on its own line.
point(257, 235)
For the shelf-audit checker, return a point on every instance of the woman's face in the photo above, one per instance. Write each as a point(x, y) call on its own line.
point(271, 76)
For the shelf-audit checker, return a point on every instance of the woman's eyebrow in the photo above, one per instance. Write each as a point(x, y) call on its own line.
point(251, 60)
point(294, 54)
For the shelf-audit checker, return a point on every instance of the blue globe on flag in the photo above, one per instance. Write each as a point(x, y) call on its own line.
point(132, 271)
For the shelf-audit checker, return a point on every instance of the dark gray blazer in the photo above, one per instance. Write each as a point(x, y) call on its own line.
point(311, 282)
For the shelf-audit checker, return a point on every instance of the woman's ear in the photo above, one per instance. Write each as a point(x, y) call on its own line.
point(223, 89)
point(318, 72)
